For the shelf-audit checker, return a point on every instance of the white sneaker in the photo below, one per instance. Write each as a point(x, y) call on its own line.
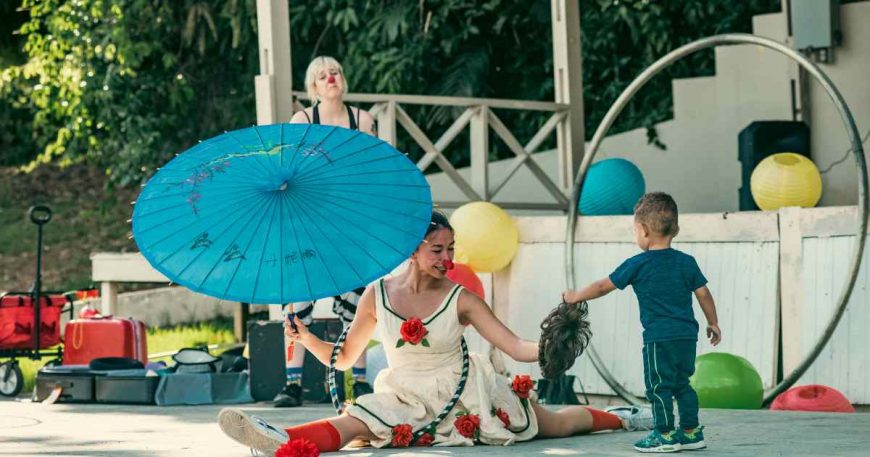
point(252, 431)
point(634, 417)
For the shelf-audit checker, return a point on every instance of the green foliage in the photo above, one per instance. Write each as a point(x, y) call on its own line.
point(623, 37)
point(124, 84)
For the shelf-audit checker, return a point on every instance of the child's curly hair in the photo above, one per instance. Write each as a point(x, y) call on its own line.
point(565, 333)
point(658, 211)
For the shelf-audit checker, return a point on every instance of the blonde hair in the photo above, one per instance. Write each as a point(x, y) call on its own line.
point(317, 64)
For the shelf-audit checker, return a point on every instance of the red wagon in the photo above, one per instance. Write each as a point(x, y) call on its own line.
point(28, 330)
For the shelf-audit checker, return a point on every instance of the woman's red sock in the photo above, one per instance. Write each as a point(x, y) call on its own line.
point(322, 433)
point(602, 420)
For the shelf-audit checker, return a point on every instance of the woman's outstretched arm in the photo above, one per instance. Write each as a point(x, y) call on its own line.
point(357, 340)
point(473, 310)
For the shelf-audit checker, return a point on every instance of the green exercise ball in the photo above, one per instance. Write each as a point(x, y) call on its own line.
point(727, 381)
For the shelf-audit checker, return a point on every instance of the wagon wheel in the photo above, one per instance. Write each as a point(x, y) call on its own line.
point(11, 379)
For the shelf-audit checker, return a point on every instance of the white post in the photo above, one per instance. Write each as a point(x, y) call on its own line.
point(387, 122)
point(273, 86)
point(791, 287)
point(568, 76)
point(480, 152)
point(108, 298)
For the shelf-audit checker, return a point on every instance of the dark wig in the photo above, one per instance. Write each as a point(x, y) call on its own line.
point(565, 333)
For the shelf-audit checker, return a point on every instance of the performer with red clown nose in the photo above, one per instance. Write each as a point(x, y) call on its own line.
point(326, 86)
point(433, 392)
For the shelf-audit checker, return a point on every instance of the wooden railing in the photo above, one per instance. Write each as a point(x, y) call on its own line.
point(479, 118)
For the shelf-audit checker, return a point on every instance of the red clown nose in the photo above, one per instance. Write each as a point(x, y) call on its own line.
point(330, 79)
point(448, 264)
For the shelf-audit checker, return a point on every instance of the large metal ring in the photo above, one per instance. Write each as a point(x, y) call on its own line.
point(858, 154)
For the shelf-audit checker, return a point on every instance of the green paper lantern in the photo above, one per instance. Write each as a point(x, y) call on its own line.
point(727, 381)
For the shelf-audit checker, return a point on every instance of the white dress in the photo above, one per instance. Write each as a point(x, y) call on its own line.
point(420, 381)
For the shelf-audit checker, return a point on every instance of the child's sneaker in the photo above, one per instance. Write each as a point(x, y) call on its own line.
point(634, 417)
point(692, 440)
point(657, 441)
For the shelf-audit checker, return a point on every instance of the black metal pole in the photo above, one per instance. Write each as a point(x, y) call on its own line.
point(39, 215)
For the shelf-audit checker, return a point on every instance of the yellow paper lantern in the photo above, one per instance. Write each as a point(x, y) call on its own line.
point(786, 179)
point(486, 236)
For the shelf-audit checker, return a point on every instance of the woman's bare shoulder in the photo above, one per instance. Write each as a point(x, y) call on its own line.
point(301, 117)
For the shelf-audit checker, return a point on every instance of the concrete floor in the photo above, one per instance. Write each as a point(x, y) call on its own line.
point(126, 431)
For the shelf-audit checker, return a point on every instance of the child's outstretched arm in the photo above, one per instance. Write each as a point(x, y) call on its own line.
point(705, 298)
point(595, 290)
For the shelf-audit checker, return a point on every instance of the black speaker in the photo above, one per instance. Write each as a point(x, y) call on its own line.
point(266, 361)
point(764, 138)
point(267, 372)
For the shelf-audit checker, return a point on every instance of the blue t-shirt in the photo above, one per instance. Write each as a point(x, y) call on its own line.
point(663, 281)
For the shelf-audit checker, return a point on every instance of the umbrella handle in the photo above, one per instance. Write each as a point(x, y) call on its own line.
point(290, 315)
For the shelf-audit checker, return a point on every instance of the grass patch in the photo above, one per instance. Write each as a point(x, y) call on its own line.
point(217, 331)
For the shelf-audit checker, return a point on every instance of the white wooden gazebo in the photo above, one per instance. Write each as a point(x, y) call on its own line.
point(276, 102)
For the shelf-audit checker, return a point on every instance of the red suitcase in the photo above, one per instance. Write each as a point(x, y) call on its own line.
point(88, 339)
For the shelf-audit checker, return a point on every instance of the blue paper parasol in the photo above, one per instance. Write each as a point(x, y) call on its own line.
point(282, 213)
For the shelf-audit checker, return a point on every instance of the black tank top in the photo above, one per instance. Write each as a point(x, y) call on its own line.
point(354, 123)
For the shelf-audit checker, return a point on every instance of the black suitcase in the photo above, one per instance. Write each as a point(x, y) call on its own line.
point(77, 382)
point(125, 389)
point(266, 360)
point(268, 376)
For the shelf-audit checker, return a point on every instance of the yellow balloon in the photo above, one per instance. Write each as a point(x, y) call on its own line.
point(486, 236)
point(786, 179)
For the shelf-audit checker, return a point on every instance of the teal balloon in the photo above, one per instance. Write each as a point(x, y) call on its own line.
point(611, 187)
point(726, 381)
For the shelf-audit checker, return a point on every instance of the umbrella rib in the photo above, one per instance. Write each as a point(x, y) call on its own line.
point(374, 172)
point(198, 161)
point(261, 166)
point(247, 246)
point(300, 143)
point(263, 252)
point(314, 190)
point(281, 240)
point(348, 155)
point(188, 156)
point(188, 192)
point(186, 181)
point(291, 201)
point(247, 149)
point(313, 176)
point(347, 183)
point(412, 235)
point(333, 148)
point(230, 245)
point(335, 248)
point(215, 211)
point(183, 246)
point(164, 208)
point(342, 231)
point(304, 269)
point(330, 202)
point(268, 157)
point(328, 191)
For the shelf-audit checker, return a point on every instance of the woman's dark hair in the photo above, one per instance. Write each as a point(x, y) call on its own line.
point(439, 221)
